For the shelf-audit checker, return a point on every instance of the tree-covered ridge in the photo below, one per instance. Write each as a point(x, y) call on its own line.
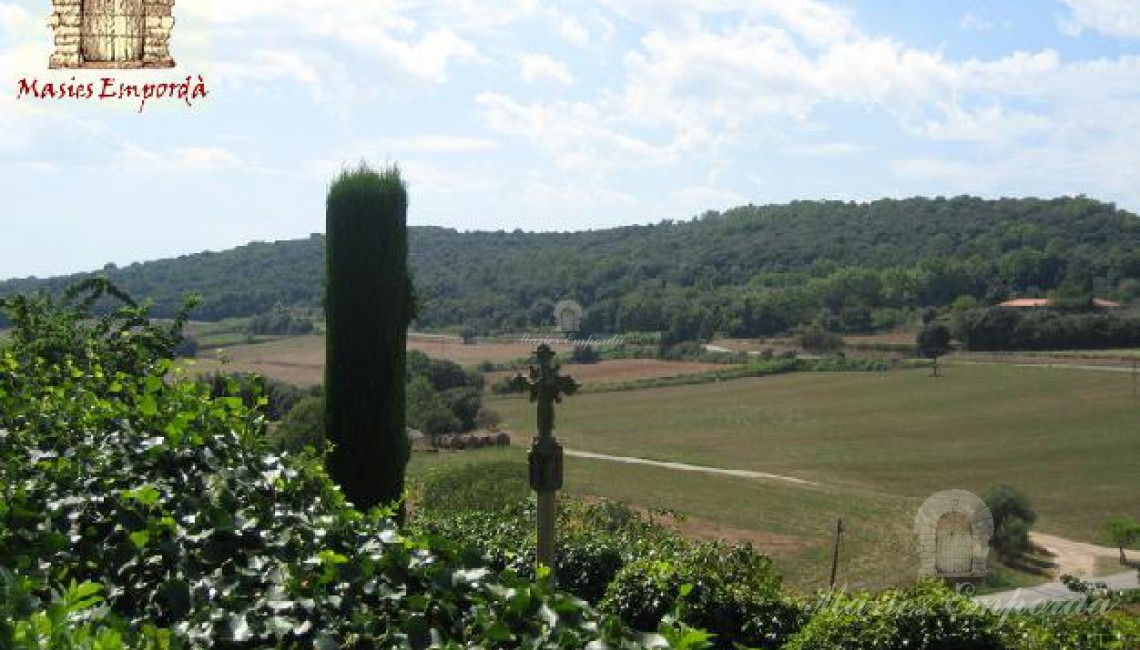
point(752, 270)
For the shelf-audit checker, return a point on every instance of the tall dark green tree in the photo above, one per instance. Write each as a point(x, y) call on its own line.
point(368, 306)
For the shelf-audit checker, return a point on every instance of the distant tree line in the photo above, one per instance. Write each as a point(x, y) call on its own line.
point(750, 271)
point(1000, 328)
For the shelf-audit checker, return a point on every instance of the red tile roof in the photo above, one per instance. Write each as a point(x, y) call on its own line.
point(1045, 302)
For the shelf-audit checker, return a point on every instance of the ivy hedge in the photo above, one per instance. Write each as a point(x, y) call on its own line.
point(139, 511)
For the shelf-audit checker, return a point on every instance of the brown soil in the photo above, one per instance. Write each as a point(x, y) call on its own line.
point(625, 370)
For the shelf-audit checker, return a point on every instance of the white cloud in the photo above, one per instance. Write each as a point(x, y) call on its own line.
point(1112, 17)
point(14, 20)
point(709, 79)
point(537, 68)
point(827, 149)
point(437, 179)
point(975, 23)
point(381, 29)
point(573, 31)
point(992, 124)
point(179, 159)
point(545, 193)
point(443, 144)
point(577, 134)
point(400, 147)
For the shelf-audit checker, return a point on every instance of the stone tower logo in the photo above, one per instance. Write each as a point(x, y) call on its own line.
point(116, 34)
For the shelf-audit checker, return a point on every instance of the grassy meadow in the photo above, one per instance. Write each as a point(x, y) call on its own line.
point(1066, 437)
point(877, 443)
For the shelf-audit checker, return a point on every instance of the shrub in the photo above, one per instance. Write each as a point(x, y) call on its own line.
point(280, 321)
point(274, 398)
point(428, 410)
point(933, 340)
point(491, 486)
point(584, 354)
point(487, 418)
point(464, 404)
point(1122, 532)
point(467, 334)
point(1000, 328)
point(927, 617)
point(1012, 515)
point(735, 594)
point(187, 348)
point(816, 339)
point(1113, 631)
point(304, 426)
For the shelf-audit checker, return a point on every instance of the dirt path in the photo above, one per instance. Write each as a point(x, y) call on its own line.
point(1074, 558)
point(739, 473)
point(1050, 364)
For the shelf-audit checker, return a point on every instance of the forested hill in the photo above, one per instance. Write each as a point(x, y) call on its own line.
point(748, 271)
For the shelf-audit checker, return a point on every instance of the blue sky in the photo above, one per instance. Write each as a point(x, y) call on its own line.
point(562, 116)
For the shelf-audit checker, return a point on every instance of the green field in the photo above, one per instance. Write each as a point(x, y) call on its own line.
point(793, 525)
point(877, 443)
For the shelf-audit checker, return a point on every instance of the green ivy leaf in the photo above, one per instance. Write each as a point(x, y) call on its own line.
point(177, 596)
point(148, 406)
point(140, 538)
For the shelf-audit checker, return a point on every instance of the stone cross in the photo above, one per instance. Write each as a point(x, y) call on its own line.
point(546, 387)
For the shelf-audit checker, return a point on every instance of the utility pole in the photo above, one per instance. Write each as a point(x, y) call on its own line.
point(1134, 377)
point(835, 553)
point(546, 387)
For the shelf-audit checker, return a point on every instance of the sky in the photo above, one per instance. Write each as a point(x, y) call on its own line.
point(565, 115)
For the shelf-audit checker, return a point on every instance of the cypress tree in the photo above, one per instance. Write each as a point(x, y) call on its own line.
point(368, 306)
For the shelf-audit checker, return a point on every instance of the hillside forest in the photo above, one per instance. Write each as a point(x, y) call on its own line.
point(749, 271)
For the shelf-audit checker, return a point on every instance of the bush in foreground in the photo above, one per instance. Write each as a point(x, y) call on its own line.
point(137, 511)
point(928, 616)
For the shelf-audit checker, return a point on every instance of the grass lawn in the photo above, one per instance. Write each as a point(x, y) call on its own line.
point(794, 525)
point(1065, 437)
